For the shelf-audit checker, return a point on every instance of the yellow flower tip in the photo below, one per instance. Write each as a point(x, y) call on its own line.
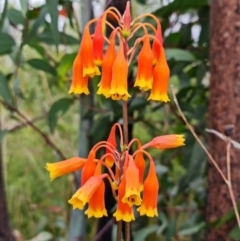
point(117, 96)
point(98, 62)
point(109, 161)
point(76, 202)
point(150, 212)
point(125, 33)
point(126, 217)
point(132, 199)
point(103, 91)
point(79, 90)
point(180, 140)
point(52, 170)
point(159, 97)
point(143, 83)
point(91, 71)
point(98, 213)
point(114, 186)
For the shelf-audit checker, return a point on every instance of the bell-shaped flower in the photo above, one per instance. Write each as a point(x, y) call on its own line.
point(140, 164)
point(161, 75)
point(157, 43)
point(165, 142)
point(150, 194)
point(145, 66)
point(124, 212)
point(86, 49)
point(109, 160)
point(108, 59)
point(63, 167)
point(85, 192)
point(89, 168)
point(96, 204)
point(79, 83)
point(98, 42)
point(119, 82)
point(132, 190)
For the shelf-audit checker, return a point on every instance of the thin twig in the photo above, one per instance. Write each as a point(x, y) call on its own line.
point(197, 138)
point(104, 229)
point(41, 133)
point(229, 184)
point(227, 179)
point(20, 126)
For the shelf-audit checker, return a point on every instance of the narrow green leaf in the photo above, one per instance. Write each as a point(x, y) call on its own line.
point(36, 45)
point(46, 37)
point(15, 16)
point(53, 11)
point(65, 64)
point(179, 55)
point(4, 89)
point(38, 23)
point(58, 109)
point(3, 15)
point(6, 43)
point(142, 234)
point(2, 134)
point(180, 6)
point(24, 5)
point(235, 233)
point(42, 65)
point(191, 230)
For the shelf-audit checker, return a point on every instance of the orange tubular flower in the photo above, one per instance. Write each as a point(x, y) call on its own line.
point(156, 47)
point(86, 48)
point(165, 142)
point(89, 168)
point(63, 167)
point(132, 191)
point(161, 75)
point(145, 60)
point(84, 193)
point(98, 42)
point(126, 21)
point(108, 59)
point(150, 194)
point(96, 205)
point(79, 83)
point(119, 83)
point(140, 164)
point(124, 211)
point(112, 140)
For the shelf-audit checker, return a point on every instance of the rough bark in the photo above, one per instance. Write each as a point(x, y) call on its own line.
point(5, 229)
point(224, 109)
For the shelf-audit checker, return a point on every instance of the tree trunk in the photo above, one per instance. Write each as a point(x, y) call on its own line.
point(5, 229)
point(224, 109)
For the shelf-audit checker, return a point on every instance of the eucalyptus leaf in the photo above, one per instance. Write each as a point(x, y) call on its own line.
point(5, 92)
point(15, 16)
point(42, 65)
point(192, 230)
point(142, 234)
point(53, 11)
point(58, 109)
point(3, 15)
point(179, 55)
point(235, 233)
point(7, 43)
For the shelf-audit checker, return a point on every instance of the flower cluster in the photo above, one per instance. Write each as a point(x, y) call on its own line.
point(113, 63)
point(127, 180)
